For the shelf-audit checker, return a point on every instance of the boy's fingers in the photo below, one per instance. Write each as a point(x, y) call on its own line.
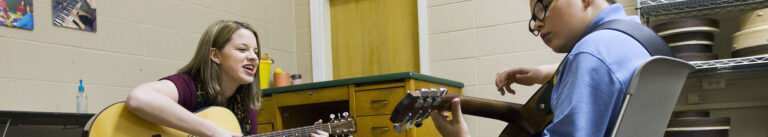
point(456, 109)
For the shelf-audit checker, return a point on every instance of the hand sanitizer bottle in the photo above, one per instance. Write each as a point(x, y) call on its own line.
point(82, 106)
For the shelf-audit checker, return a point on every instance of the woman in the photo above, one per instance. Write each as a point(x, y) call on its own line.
point(221, 73)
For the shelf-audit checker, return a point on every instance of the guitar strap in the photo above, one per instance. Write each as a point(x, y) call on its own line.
point(647, 37)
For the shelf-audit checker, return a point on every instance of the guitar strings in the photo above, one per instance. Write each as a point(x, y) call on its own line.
point(297, 131)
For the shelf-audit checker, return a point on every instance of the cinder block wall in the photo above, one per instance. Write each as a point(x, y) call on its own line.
point(137, 41)
point(471, 40)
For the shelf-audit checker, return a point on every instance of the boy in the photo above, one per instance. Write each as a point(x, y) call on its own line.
point(589, 87)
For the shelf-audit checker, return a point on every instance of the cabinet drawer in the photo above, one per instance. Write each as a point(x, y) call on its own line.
point(263, 128)
point(331, 94)
point(375, 126)
point(267, 113)
point(378, 101)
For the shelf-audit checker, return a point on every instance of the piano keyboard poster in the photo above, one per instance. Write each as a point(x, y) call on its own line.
point(17, 14)
point(76, 14)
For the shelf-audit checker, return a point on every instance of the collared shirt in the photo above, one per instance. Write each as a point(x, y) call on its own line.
point(594, 76)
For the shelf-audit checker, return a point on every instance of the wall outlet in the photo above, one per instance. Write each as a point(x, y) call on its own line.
point(713, 83)
point(694, 98)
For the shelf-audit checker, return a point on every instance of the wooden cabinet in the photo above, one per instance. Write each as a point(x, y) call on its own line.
point(378, 101)
point(266, 115)
point(376, 126)
point(369, 100)
point(265, 128)
point(311, 96)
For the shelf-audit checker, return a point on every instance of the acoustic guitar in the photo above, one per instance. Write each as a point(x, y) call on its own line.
point(118, 121)
point(523, 120)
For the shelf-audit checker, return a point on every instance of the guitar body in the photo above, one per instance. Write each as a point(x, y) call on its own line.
point(535, 121)
point(118, 121)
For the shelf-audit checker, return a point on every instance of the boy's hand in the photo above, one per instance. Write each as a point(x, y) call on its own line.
point(524, 76)
point(451, 128)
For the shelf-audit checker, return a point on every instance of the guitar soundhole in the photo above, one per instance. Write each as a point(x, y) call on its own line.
point(157, 135)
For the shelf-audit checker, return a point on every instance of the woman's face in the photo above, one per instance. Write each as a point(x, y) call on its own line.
point(238, 60)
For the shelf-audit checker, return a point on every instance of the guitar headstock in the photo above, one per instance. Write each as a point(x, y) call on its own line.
point(344, 125)
point(415, 107)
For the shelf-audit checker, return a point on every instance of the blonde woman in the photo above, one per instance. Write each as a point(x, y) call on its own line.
point(221, 73)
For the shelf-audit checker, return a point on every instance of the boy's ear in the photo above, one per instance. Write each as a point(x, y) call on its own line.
point(586, 3)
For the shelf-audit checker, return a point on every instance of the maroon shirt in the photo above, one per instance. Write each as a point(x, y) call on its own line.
point(188, 98)
point(21, 9)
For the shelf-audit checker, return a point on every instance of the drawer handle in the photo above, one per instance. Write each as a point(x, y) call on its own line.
point(379, 101)
point(380, 128)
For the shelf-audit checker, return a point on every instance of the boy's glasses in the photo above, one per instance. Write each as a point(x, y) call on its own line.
point(539, 12)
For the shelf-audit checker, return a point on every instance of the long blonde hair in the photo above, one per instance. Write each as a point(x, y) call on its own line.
point(206, 73)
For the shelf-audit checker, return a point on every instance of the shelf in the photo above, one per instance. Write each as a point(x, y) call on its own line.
point(735, 65)
point(716, 106)
point(668, 9)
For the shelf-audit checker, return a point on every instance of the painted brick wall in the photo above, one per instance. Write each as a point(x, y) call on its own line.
point(137, 41)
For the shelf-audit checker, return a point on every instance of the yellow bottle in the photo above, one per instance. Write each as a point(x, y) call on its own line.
point(265, 67)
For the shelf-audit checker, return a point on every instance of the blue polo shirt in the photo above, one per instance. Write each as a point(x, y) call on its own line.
point(594, 76)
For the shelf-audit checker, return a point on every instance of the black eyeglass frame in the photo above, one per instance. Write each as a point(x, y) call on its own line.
point(534, 18)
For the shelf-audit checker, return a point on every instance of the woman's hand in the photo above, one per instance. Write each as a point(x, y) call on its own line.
point(220, 132)
point(524, 76)
point(455, 127)
point(319, 133)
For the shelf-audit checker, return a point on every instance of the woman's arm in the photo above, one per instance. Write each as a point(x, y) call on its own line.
point(158, 102)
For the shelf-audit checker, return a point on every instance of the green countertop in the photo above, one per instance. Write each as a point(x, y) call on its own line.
point(366, 79)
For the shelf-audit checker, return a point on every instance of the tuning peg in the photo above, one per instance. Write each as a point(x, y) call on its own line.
point(409, 125)
point(439, 93)
point(398, 128)
point(423, 117)
point(333, 117)
point(346, 114)
point(419, 103)
point(426, 114)
point(406, 118)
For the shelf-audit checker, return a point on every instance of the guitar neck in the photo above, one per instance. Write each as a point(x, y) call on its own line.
point(301, 131)
point(500, 110)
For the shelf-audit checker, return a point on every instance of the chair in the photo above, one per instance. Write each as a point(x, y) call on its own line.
point(651, 97)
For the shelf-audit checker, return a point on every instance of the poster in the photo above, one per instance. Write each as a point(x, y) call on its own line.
point(76, 14)
point(17, 14)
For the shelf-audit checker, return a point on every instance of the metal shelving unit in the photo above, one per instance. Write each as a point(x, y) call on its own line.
point(734, 65)
point(713, 74)
point(668, 9)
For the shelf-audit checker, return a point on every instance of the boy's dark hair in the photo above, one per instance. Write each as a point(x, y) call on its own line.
point(611, 1)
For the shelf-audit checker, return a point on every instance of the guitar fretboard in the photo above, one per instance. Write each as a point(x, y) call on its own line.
point(296, 132)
